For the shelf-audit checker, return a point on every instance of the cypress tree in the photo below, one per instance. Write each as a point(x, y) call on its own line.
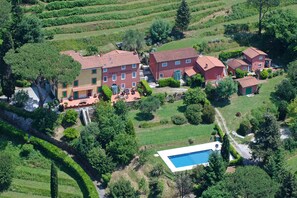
point(225, 150)
point(183, 17)
point(54, 181)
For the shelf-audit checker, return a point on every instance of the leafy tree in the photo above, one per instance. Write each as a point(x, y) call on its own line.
point(195, 96)
point(121, 108)
point(54, 181)
point(263, 7)
point(156, 188)
point(21, 98)
point(226, 88)
point(264, 74)
point(196, 81)
point(209, 113)
point(288, 188)
point(7, 82)
point(160, 30)
point(215, 171)
point(247, 181)
point(282, 109)
point(285, 90)
point(183, 17)
point(29, 30)
point(149, 104)
point(122, 148)
point(292, 73)
point(129, 129)
point(240, 73)
point(40, 63)
point(183, 183)
point(274, 165)
point(70, 117)
point(194, 114)
point(71, 133)
point(6, 171)
point(122, 188)
point(92, 50)
point(133, 40)
point(101, 162)
point(267, 138)
point(225, 150)
point(245, 127)
point(45, 120)
point(211, 92)
point(5, 17)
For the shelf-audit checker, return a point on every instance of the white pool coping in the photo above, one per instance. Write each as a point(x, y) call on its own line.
point(183, 150)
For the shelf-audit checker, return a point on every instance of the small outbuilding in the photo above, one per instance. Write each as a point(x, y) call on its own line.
point(247, 85)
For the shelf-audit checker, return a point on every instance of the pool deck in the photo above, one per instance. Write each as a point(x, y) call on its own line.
point(165, 154)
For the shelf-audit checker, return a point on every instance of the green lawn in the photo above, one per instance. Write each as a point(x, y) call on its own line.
point(32, 175)
point(170, 135)
point(244, 104)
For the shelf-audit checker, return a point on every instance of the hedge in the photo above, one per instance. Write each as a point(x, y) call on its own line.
point(147, 89)
point(20, 112)
point(237, 158)
point(56, 154)
point(107, 93)
point(169, 82)
point(223, 56)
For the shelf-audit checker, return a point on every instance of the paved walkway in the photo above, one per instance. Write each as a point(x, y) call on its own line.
point(242, 149)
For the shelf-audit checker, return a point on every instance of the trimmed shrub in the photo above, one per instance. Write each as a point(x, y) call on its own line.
point(264, 74)
point(223, 56)
point(6, 171)
point(70, 118)
point(161, 97)
point(71, 133)
point(178, 120)
point(209, 113)
point(55, 153)
point(144, 88)
point(22, 83)
point(169, 82)
point(240, 73)
point(164, 121)
point(20, 98)
point(26, 150)
point(45, 120)
point(149, 124)
point(194, 114)
point(244, 128)
point(107, 93)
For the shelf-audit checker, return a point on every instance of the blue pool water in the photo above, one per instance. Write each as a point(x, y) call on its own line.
point(189, 159)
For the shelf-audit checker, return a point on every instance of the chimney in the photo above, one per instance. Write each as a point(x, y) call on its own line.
point(206, 65)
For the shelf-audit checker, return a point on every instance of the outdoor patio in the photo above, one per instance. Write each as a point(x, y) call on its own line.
point(126, 97)
point(79, 102)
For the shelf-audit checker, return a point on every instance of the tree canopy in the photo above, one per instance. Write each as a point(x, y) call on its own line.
point(225, 150)
point(226, 88)
point(160, 30)
point(183, 16)
point(292, 72)
point(285, 90)
point(6, 171)
point(195, 96)
point(41, 62)
point(122, 188)
point(133, 40)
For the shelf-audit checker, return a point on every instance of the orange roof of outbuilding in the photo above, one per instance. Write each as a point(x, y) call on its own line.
point(209, 62)
point(248, 81)
point(235, 63)
point(170, 55)
point(252, 52)
point(87, 62)
point(190, 72)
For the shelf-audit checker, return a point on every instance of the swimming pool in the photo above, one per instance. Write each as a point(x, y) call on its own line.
point(190, 159)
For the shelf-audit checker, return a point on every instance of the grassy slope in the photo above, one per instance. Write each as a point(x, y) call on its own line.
point(32, 175)
point(244, 104)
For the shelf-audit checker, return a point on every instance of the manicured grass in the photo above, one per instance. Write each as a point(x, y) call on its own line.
point(32, 175)
point(244, 104)
point(170, 135)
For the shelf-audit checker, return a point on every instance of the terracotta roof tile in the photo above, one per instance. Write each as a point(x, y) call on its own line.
point(190, 72)
point(171, 55)
point(209, 62)
point(118, 58)
point(235, 63)
point(87, 62)
point(247, 81)
point(253, 52)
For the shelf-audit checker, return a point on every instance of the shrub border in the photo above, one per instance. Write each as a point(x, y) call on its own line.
point(55, 153)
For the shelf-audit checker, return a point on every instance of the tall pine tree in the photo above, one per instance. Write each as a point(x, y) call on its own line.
point(183, 17)
point(288, 186)
point(54, 181)
point(225, 150)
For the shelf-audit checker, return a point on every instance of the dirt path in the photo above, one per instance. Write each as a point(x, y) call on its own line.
point(242, 149)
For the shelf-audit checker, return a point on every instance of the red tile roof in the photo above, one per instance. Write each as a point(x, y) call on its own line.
point(118, 58)
point(209, 62)
point(247, 81)
point(235, 63)
point(87, 62)
point(171, 55)
point(253, 52)
point(190, 72)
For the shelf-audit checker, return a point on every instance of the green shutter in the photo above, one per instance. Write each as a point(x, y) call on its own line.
point(75, 95)
point(75, 83)
point(94, 81)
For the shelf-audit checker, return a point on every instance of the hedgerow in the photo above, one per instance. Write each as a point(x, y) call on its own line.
point(21, 112)
point(57, 155)
point(107, 93)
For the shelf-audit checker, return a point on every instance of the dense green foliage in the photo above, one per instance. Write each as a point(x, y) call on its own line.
point(45, 120)
point(133, 40)
point(195, 96)
point(122, 188)
point(178, 120)
point(230, 54)
point(149, 105)
point(6, 171)
point(71, 133)
point(292, 72)
point(160, 30)
point(107, 93)
point(70, 118)
point(226, 88)
point(169, 82)
point(264, 74)
point(196, 81)
point(20, 98)
point(54, 181)
point(285, 91)
point(194, 113)
point(209, 113)
point(183, 183)
point(225, 150)
point(239, 73)
point(183, 17)
point(144, 88)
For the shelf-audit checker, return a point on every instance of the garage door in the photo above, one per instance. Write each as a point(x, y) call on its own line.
point(248, 90)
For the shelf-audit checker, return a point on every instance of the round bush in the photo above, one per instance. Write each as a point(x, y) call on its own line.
point(244, 128)
point(194, 114)
point(70, 118)
point(209, 113)
point(264, 74)
point(71, 133)
point(178, 119)
point(26, 150)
